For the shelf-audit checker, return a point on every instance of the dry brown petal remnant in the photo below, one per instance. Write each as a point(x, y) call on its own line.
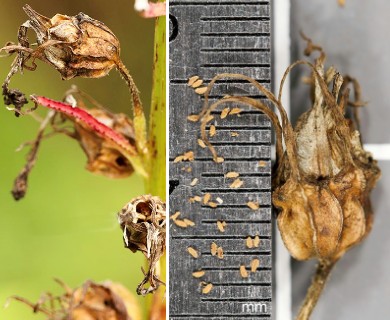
point(143, 222)
point(105, 301)
point(322, 176)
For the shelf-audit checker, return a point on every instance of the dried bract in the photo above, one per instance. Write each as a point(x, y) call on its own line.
point(143, 222)
point(106, 301)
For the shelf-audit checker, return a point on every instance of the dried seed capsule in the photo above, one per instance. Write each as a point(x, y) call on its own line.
point(74, 45)
point(143, 223)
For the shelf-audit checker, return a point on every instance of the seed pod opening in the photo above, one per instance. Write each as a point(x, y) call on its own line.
point(143, 222)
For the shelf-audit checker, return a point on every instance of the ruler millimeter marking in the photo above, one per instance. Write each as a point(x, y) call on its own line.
point(208, 38)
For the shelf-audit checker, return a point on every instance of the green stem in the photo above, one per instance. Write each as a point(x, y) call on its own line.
point(156, 182)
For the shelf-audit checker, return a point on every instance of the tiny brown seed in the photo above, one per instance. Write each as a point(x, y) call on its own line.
point(180, 223)
point(256, 241)
point(236, 184)
point(189, 222)
point(221, 226)
point(201, 90)
point(213, 248)
point(198, 274)
point(243, 271)
point(192, 80)
point(201, 143)
point(212, 204)
point(206, 198)
point(235, 110)
point(232, 174)
point(175, 215)
point(219, 160)
point(255, 264)
point(249, 242)
point(213, 130)
point(224, 113)
point(193, 252)
point(193, 118)
point(207, 288)
point(197, 83)
point(194, 182)
point(253, 205)
point(220, 253)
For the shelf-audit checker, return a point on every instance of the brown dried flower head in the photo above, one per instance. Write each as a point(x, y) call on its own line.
point(143, 221)
point(103, 157)
point(75, 46)
point(106, 301)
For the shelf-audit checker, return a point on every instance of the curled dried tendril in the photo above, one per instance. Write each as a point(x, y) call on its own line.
point(322, 176)
point(143, 222)
point(106, 301)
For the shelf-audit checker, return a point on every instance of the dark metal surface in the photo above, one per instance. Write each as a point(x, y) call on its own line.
point(207, 38)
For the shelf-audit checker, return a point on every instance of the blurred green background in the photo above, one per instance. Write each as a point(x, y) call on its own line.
point(66, 226)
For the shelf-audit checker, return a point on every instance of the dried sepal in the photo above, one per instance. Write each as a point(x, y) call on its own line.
point(143, 222)
point(105, 301)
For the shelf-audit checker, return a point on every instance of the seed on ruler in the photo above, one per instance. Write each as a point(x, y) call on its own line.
point(235, 110)
point(188, 169)
point(180, 223)
point(220, 253)
point(201, 90)
point(249, 242)
point(255, 264)
point(232, 174)
point(243, 271)
point(224, 113)
point(193, 252)
point(189, 222)
point(213, 248)
point(236, 184)
point(234, 134)
point(221, 225)
point(196, 198)
point(193, 118)
point(209, 118)
point(213, 130)
point(197, 83)
point(256, 241)
point(206, 198)
point(212, 204)
point(219, 200)
point(207, 288)
point(192, 80)
point(175, 215)
point(219, 160)
point(262, 163)
point(253, 205)
point(198, 274)
point(194, 182)
point(188, 156)
point(201, 143)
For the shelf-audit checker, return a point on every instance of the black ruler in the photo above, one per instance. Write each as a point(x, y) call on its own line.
point(208, 38)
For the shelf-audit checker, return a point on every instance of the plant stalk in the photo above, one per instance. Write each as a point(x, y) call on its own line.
point(324, 268)
point(155, 184)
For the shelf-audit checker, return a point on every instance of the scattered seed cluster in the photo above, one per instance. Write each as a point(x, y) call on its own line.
point(234, 182)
